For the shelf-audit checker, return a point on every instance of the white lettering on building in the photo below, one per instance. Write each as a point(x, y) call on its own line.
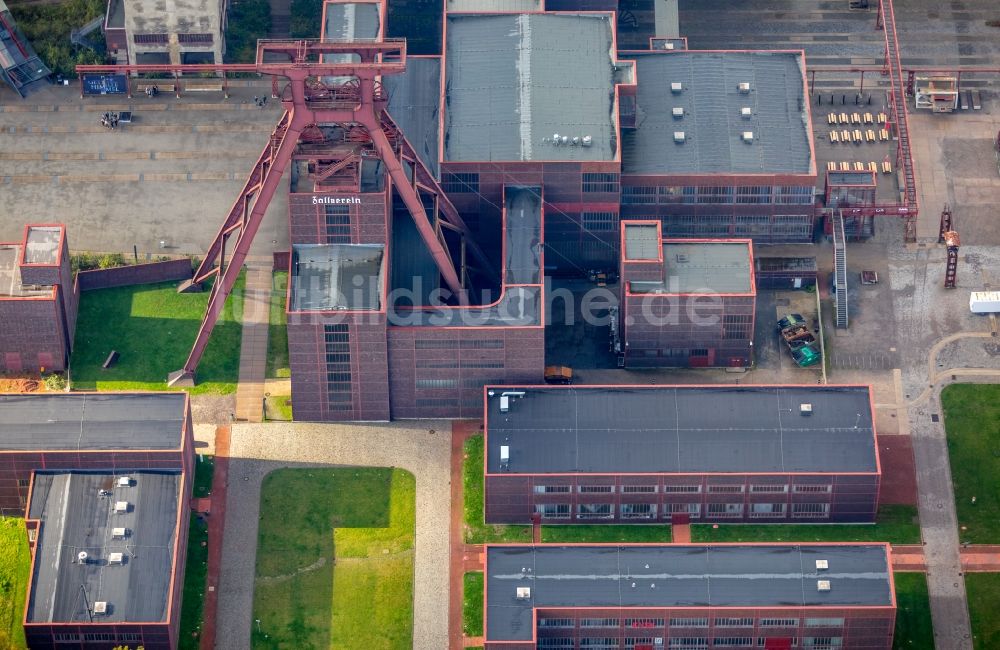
point(335, 200)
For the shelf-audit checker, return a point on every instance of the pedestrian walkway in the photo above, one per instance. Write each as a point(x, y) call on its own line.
point(216, 526)
point(463, 557)
point(974, 558)
point(680, 533)
point(253, 352)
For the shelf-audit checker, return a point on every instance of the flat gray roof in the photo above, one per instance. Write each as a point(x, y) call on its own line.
point(415, 104)
point(642, 241)
point(349, 21)
point(42, 245)
point(10, 275)
point(696, 267)
point(673, 429)
point(76, 518)
point(521, 302)
point(677, 575)
point(713, 123)
point(515, 80)
point(91, 421)
point(493, 6)
point(336, 276)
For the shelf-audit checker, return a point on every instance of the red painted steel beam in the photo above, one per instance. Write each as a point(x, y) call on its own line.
point(292, 125)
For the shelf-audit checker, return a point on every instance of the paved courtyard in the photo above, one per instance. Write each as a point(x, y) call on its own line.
point(257, 449)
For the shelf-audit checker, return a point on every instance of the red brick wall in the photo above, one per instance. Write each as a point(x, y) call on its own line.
point(124, 276)
point(32, 328)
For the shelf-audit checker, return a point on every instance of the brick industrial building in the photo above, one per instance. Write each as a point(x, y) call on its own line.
point(90, 431)
point(684, 303)
point(104, 481)
point(646, 597)
point(144, 32)
point(38, 302)
point(648, 454)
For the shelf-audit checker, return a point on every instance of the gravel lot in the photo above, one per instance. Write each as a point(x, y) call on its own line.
point(258, 449)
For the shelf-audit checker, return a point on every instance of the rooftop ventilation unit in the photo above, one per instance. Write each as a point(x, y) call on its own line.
point(115, 558)
point(748, 137)
point(103, 493)
point(744, 88)
point(679, 136)
point(504, 403)
point(676, 87)
point(119, 533)
point(124, 481)
point(668, 46)
point(523, 593)
point(121, 506)
point(101, 607)
point(587, 140)
point(504, 456)
point(82, 557)
point(822, 565)
point(746, 112)
point(823, 585)
point(678, 111)
point(806, 409)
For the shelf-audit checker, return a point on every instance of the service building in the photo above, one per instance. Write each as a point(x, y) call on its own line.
point(647, 454)
point(649, 597)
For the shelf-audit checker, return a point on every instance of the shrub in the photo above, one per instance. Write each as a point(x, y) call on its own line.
point(249, 21)
point(47, 28)
point(55, 382)
point(306, 16)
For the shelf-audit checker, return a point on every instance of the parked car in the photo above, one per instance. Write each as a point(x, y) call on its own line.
point(805, 356)
point(790, 320)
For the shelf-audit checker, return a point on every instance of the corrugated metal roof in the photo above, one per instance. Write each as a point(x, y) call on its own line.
point(336, 276)
point(642, 242)
point(684, 429)
point(713, 123)
point(493, 6)
point(677, 575)
point(91, 421)
point(75, 518)
point(414, 100)
point(515, 80)
point(349, 21)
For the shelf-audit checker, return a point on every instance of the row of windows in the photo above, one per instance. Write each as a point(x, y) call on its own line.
point(464, 344)
point(75, 637)
point(649, 510)
point(338, 367)
point(338, 224)
point(767, 488)
point(685, 643)
point(719, 194)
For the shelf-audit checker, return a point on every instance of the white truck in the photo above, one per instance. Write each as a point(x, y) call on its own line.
point(984, 302)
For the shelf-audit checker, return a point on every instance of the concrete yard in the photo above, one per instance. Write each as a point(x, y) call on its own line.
point(171, 176)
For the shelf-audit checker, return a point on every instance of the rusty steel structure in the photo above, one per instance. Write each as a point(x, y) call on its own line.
point(952, 242)
point(354, 99)
point(945, 223)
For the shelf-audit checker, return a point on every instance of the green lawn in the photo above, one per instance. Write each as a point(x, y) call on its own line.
point(278, 407)
point(913, 613)
point(476, 530)
point(277, 336)
point(359, 519)
point(983, 591)
point(472, 603)
point(153, 327)
point(15, 565)
point(896, 524)
point(588, 533)
point(972, 420)
point(196, 566)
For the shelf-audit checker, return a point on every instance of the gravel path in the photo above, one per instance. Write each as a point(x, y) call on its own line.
point(257, 449)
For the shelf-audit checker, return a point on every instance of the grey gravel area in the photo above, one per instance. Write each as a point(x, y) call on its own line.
point(422, 448)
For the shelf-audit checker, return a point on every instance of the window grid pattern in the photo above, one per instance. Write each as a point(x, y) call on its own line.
point(195, 39)
point(150, 39)
point(338, 224)
point(600, 182)
point(337, 339)
point(465, 182)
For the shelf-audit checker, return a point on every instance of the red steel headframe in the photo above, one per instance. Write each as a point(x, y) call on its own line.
point(305, 102)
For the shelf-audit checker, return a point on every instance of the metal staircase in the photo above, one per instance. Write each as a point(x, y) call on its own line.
point(897, 106)
point(839, 270)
